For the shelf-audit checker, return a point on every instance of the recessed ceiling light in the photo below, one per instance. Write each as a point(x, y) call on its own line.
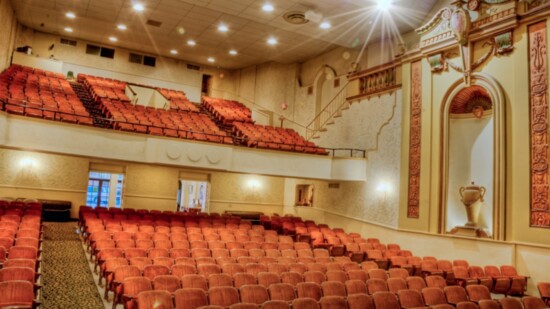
point(139, 7)
point(272, 41)
point(113, 39)
point(68, 29)
point(223, 28)
point(325, 25)
point(384, 5)
point(70, 15)
point(233, 52)
point(181, 30)
point(122, 27)
point(174, 52)
point(210, 59)
point(191, 43)
point(268, 7)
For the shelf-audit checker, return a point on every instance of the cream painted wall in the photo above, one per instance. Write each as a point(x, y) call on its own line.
point(231, 191)
point(8, 26)
point(470, 159)
point(168, 72)
point(47, 176)
point(146, 186)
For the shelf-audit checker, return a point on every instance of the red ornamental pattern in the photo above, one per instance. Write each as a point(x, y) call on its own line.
point(538, 76)
point(413, 209)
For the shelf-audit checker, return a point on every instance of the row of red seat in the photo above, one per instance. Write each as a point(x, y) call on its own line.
point(212, 248)
point(101, 87)
point(226, 111)
point(254, 135)
point(24, 92)
point(181, 121)
point(178, 100)
point(208, 248)
point(170, 123)
point(20, 243)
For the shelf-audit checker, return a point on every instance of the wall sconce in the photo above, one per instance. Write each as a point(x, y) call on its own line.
point(254, 184)
point(384, 188)
point(27, 163)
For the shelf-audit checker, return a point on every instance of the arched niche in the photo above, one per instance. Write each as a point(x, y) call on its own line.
point(472, 150)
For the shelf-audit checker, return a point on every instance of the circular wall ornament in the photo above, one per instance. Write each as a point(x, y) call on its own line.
point(173, 152)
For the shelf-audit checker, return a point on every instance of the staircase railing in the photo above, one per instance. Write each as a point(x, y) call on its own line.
point(327, 114)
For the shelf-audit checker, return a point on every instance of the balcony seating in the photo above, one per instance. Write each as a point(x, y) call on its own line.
point(268, 137)
point(178, 100)
point(226, 112)
point(41, 94)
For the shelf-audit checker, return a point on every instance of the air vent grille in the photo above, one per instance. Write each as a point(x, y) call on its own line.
point(295, 18)
point(193, 67)
point(68, 42)
point(154, 23)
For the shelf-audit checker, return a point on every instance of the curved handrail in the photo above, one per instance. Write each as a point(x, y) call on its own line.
point(328, 104)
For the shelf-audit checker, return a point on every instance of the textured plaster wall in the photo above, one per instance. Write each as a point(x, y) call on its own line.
point(43, 176)
point(373, 124)
point(231, 191)
point(8, 26)
point(17, 170)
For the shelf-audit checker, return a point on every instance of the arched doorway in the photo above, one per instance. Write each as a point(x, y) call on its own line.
point(472, 182)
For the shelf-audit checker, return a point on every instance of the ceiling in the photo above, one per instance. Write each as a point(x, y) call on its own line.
point(249, 26)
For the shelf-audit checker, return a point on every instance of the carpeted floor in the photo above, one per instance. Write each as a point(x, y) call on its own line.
point(66, 277)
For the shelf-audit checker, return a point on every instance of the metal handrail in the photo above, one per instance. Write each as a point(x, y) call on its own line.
point(328, 112)
point(352, 151)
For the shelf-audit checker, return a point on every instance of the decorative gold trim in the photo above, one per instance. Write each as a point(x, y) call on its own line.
point(486, 114)
point(444, 13)
point(538, 105)
point(413, 200)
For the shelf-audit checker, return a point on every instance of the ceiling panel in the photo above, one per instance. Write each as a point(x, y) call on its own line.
point(249, 26)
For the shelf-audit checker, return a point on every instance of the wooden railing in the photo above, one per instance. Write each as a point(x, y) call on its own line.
point(375, 80)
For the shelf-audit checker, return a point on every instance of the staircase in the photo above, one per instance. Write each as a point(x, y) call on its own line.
point(326, 117)
point(91, 106)
point(227, 129)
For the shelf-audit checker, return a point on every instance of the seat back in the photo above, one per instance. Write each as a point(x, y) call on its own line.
point(223, 296)
point(16, 293)
point(155, 300)
point(309, 289)
point(410, 299)
point(281, 291)
point(253, 293)
point(385, 300)
point(434, 296)
point(333, 288)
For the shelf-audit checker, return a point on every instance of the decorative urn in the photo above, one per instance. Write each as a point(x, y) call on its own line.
point(470, 196)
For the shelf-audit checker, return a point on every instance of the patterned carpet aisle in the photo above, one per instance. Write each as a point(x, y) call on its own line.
point(66, 277)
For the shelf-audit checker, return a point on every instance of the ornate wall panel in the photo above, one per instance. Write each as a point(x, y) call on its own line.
point(538, 76)
point(415, 136)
